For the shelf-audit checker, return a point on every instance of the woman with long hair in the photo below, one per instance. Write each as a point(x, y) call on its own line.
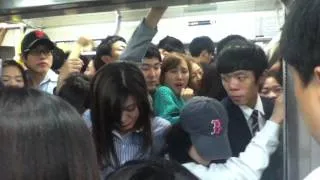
point(174, 89)
point(121, 116)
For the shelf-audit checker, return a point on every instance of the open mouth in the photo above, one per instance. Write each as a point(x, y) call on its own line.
point(179, 85)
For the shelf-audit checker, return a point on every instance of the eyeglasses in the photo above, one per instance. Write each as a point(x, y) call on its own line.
point(39, 51)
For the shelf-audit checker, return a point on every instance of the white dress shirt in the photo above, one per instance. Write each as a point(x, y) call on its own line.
point(247, 112)
point(249, 165)
point(49, 82)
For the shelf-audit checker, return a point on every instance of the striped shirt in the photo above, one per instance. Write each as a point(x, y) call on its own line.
point(129, 146)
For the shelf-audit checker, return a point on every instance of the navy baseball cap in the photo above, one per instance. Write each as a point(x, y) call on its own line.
point(34, 38)
point(206, 121)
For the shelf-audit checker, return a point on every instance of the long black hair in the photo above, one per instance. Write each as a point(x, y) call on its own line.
point(110, 88)
point(43, 137)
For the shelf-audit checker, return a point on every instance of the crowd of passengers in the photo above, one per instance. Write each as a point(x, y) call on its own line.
point(142, 111)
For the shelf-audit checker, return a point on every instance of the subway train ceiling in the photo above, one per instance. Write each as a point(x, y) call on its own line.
point(52, 13)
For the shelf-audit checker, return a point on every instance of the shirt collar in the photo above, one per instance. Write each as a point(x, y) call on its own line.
point(117, 134)
point(247, 111)
point(51, 76)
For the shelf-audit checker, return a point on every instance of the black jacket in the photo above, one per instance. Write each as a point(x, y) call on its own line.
point(240, 136)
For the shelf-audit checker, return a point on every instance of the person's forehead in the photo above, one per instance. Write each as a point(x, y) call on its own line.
point(151, 61)
point(271, 79)
point(119, 44)
point(196, 66)
point(239, 72)
point(129, 101)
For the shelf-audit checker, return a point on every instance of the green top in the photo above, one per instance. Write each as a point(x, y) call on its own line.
point(167, 104)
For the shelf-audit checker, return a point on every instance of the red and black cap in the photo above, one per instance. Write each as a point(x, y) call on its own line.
point(33, 39)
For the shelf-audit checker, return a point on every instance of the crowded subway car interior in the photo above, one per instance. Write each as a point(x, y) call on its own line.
point(159, 89)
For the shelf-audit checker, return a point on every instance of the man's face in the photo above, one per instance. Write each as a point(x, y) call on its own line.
point(151, 69)
point(39, 59)
point(206, 57)
point(308, 98)
point(117, 49)
point(241, 87)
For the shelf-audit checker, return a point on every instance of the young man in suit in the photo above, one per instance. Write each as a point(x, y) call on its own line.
point(241, 65)
point(300, 46)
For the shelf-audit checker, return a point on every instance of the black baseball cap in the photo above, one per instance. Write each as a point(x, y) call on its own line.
point(34, 38)
point(206, 121)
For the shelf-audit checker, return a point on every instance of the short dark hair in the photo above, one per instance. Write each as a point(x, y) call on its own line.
point(105, 49)
point(153, 52)
point(109, 90)
point(10, 63)
point(75, 90)
point(153, 169)
point(171, 44)
point(178, 144)
point(59, 57)
point(200, 44)
point(172, 61)
point(299, 42)
point(242, 56)
point(43, 137)
point(225, 41)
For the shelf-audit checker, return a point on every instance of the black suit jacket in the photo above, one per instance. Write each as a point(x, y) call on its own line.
point(240, 136)
point(239, 132)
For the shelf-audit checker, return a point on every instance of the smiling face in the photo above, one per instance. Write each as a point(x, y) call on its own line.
point(117, 49)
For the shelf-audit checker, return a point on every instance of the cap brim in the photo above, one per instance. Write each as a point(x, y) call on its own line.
point(212, 148)
point(46, 42)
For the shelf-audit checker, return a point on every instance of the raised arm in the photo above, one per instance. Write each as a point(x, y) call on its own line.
point(154, 16)
point(142, 36)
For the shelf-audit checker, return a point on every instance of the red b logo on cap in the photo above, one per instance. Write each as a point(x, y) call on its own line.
point(39, 34)
point(217, 127)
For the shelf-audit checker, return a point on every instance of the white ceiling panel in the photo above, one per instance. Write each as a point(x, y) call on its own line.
point(172, 12)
